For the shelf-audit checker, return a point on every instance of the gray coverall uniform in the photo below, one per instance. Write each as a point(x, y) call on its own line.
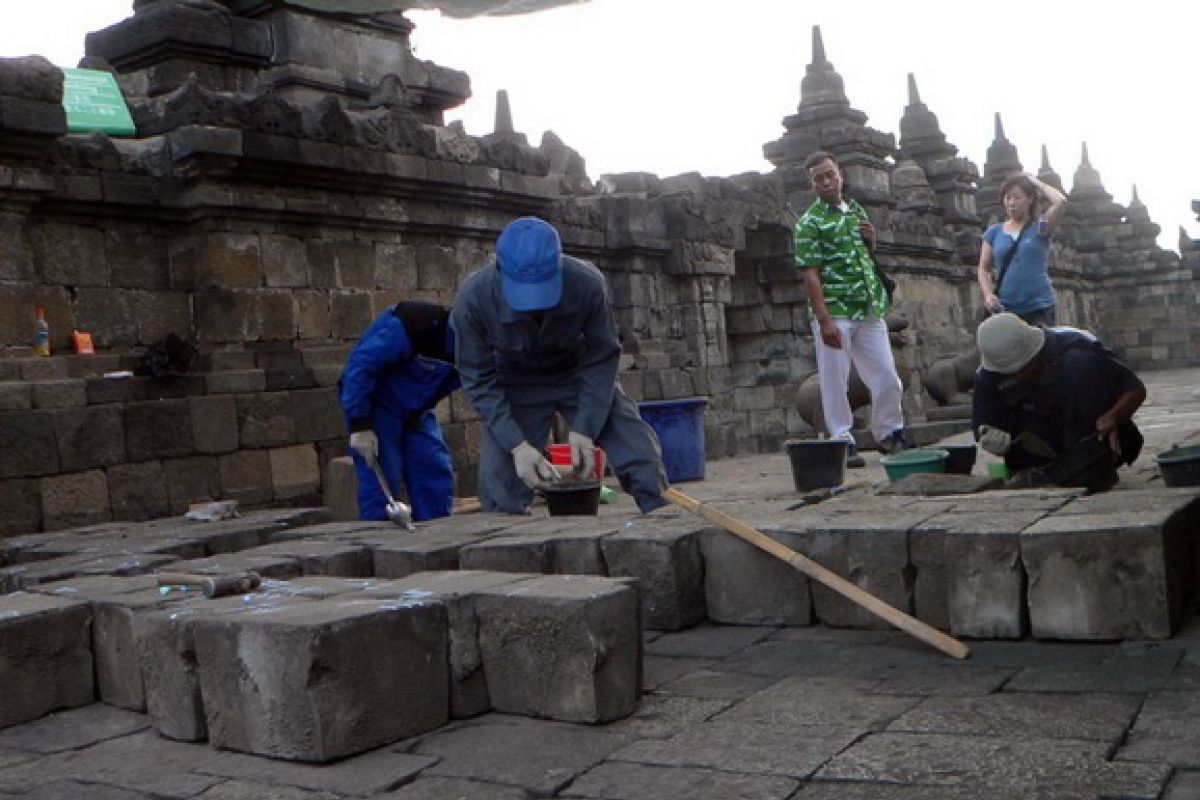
point(518, 368)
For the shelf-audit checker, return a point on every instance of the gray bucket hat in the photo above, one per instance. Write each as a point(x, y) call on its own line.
point(1007, 343)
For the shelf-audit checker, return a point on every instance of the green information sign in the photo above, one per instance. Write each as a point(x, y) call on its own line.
point(94, 102)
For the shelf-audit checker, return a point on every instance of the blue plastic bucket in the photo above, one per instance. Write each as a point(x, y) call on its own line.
point(680, 428)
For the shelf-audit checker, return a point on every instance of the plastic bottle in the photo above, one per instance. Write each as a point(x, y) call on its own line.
point(41, 333)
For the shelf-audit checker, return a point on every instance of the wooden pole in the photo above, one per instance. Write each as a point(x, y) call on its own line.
point(909, 624)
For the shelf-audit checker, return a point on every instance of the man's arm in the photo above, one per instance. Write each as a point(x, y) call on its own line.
point(1057, 200)
point(476, 364)
point(984, 275)
point(830, 334)
point(385, 343)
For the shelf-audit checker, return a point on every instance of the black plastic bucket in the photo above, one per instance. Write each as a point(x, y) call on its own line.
point(580, 499)
point(1180, 466)
point(962, 458)
point(817, 463)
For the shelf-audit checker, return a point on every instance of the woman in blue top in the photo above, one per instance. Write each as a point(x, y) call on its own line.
point(1022, 283)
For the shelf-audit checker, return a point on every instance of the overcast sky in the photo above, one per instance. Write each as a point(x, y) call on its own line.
point(670, 86)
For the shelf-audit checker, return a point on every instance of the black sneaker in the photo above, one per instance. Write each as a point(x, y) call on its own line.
point(895, 442)
point(854, 459)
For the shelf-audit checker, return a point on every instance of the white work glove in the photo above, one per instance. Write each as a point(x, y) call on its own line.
point(532, 467)
point(583, 454)
point(994, 440)
point(366, 444)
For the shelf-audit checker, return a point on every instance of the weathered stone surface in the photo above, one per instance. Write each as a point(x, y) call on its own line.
point(70, 393)
point(20, 506)
point(539, 756)
point(752, 749)
point(359, 776)
point(245, 476)
point(1101, 718)
point(313, 684)
point(45, 656)
point(1165, 731)
point(318, 415)
point(264, 421)
point(191, 480)
point(660, 716)
point(90, 438)
point(138, 491)
point(317, 557)
point(15, 396)
point(707, 641)
point(457, 590)
point(1057, 767)
point(294, 471)
point(580, 635)
point(397, 556)
point(665, 558)
point(27, 444)
point(77, 498)
point(235, 381)
point(214, 423)
point(545, 546)
point(1146, 671)
point(969, 576)
point(454, 789)
point(270, 565)
point(339, 487)
point(745, 586)
point(639, 782)
point(159, 429)
point(167, 657)
point(1107, 576)
point(118, 672)
point(817, 701)
point(73, 729)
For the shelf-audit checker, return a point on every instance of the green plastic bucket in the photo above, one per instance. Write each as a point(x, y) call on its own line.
point(908, 462)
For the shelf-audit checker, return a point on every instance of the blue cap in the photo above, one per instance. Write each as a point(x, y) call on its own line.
point(529, 254)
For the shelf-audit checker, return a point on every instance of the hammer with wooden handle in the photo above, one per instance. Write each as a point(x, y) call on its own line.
point(213, 585)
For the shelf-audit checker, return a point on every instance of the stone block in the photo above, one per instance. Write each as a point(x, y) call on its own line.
point(579, 635)
point(337, 559)
point(15, 396)
point(339, 487)
point(665, 557)
point(396, 267)
point(160, 313)
point(226, 315)
point(297, 377)
point(109, 315)
point(89, 437)
point(136, 260)
point(745, 586)
point(75, 499)
point(232, 561)
point(426, 550)
point(868, 549)
point(44, 369)
point(285, 261)
point(350, 314)
point(191, 480)
point(158, 429)
point(235, 381)
point(277, 310)
point(318, 415)
point(138, 491)
point(245, 476)
point(264, 420)
point(230, 260)
point(45, 656)
point(312, 314)
point(115, 648)
point(71, 393)
point(457, 590)
point(214, 423)
point(968, 578)
point(1119, 575)
point(20, 507)
point(294, 471)
point(130, 389)
point(544, 547)
point(324, 680)
point(27, 444)
point(167, 658)
point(70, 255)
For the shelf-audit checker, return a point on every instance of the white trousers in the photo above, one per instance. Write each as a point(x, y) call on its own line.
point(865, 344)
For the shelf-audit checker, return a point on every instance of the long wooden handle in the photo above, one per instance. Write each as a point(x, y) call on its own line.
point(909, 624)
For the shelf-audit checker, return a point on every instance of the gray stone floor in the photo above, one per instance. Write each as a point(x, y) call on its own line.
point(743, 712)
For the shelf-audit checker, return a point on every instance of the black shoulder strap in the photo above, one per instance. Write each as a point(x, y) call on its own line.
point(1008, 257)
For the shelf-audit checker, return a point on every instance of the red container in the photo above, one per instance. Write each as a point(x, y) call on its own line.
point(560, 456)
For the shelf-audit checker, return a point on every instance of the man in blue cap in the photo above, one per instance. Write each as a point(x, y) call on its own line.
point(401, 367)
point(535, 335)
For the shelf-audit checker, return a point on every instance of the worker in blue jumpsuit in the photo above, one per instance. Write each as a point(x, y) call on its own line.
point(1060, 389)
point(397, 372)
point(535, 335)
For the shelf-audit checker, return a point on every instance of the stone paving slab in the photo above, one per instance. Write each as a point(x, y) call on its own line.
point(659, 670)
point(611, 781)
point(660, 716)
point(793, 751)
point(1136, 672)
point(73, 729)
point(453, 789)
point(240, 790)
point(1050, 767)
point(363, 775)
point(1167, 730)
point(540, 757)
point(82, 790)
point(801, 702)
point(1099, 717)
point(716, 685)
point(707, 641)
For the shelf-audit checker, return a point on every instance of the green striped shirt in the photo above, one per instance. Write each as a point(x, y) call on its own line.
point(828, 239)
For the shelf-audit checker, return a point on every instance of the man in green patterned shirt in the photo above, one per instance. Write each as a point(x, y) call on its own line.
point(833, 243)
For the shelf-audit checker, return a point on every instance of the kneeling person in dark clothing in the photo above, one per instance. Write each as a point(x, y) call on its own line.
point(1054, 402)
